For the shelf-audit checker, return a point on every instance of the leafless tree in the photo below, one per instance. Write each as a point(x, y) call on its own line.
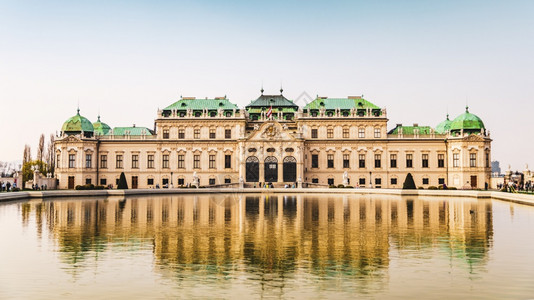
point(50, 157)
point(27, 154)
point(41, 148)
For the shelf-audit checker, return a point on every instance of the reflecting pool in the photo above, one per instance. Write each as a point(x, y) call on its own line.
point(269, 245)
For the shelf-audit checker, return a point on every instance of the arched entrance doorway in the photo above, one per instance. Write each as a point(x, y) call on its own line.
point(271, 169)
point(252, 165)
point(290, 169)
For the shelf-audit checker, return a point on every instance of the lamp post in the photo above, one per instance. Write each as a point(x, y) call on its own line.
point(171, 178)
point(370, 180)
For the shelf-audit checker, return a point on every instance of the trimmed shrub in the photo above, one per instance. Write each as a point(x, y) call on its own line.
point(341, 186)
point(409, 184)
point(432, 187)
point(123, 184)
point(452, 188)
point(421, 187)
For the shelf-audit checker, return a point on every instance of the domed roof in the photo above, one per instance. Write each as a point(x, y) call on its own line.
point(444, 126)
point(467, 121)
point(77, 124)
point(100, 127)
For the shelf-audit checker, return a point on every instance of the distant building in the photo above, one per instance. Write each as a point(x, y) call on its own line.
point(496, 168)
point(330, 141)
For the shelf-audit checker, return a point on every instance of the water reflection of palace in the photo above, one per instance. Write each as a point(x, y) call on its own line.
point(271, 233)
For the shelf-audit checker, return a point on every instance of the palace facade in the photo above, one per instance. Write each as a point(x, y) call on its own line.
point(330, 141)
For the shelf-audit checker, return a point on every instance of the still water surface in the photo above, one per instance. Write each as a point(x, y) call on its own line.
point(270, 246)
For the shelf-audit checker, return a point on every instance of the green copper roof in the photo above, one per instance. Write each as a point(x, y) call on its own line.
point(272, 100)
point(101, 128)
point(341, 103)
point(467, 121)
point(409, 130)
point(131, 131)
point(444, 126)
point(77, 124)
point(199, 104)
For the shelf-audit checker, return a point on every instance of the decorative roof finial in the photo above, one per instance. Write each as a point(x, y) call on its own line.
point(261, 88)
point(78, 110)
point(281, 89)
point(448, 117)
point(467, 108)
point(98, 118)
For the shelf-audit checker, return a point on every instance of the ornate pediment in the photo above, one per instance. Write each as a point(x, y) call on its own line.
point(72, 139)
point(271, 131)
point(473, 138)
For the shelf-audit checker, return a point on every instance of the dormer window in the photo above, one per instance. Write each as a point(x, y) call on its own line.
point(184, 104)
point(221, 104)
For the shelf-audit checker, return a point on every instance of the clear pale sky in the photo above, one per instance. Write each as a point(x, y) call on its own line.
point(126, 59)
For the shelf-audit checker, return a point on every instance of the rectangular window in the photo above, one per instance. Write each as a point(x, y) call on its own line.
point(103, 181)
point(345, 133)
point(425, 180)
point(88, 161)
point(181, 181)
point(409, 160)
point(456, 160)
point(441, 180)
point(378, 160)
point(165, 161)
point(212, 161)
point(150, 181)
point(196, 161)
point(315, 180)
point(472, 160)
point(118, 161)
point(330, 160)
point(315, 161)
point(330, 133)
point(165, 133)
point(228, 180)
point(361, 132)
point(87, 180)
point(393, 160)
point(228, 161)
point(330, 181)
point(393, 181)
point(361, 181)
point(378, 181)
point(103, 161)
point(72, 160)
point(346, 160)
point(361, 160)
point(228, 133)
point(377, 133)
point(135, 161)
point(441, 160)
point(181, 134)
point(212, 133)
point(212, 181)
point(196, 133)
point(314, 133)
point(424, 161)
point(181, 161)
point(487, 160)
point(58, 161)
point(150, 161)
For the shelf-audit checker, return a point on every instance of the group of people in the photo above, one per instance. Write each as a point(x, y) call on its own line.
point(512, 186)
point(36, 187)
point(6, 186)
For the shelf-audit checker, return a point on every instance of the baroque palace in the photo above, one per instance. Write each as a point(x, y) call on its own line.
point(329, 141)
